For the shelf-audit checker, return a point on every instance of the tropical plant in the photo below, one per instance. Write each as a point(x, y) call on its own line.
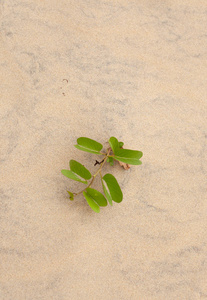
point(111, 189)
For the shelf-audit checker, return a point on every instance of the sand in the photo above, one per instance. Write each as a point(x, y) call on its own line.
point(135, 70)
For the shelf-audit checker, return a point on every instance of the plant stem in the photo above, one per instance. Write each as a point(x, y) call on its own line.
point(98, 171)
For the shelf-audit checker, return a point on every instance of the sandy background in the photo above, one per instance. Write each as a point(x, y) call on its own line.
point(136, 70)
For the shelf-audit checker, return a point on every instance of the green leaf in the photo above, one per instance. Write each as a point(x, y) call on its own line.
point(87, 150)
point(91, 202)
point(110, 160)
point(71, 196)
point(97, 197)
point(79, 169)
point(114, 144)
point(114, 191)
point(70, 174)
point(88, 145)
point(121, 144)
point(129, 156)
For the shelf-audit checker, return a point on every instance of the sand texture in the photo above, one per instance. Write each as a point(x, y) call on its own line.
point(136, 70)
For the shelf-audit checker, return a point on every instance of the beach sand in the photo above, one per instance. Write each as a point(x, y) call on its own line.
point(135, 70)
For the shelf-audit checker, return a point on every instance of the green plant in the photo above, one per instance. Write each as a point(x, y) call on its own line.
point(111, 188)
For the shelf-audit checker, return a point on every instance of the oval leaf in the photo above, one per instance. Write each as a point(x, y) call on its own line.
point(114, 189)
point(97, 197)
point(91, 202)
point(71, 196)
point(88, 145)
point(129, 156)
point(71, 175)
point(79, 169)
point(114, 144)
point(121, 144)
point(87, 150)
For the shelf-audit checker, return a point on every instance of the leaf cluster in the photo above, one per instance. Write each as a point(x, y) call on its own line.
point(111, 189)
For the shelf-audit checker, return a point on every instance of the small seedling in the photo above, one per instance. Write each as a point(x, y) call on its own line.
point(111, 188)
